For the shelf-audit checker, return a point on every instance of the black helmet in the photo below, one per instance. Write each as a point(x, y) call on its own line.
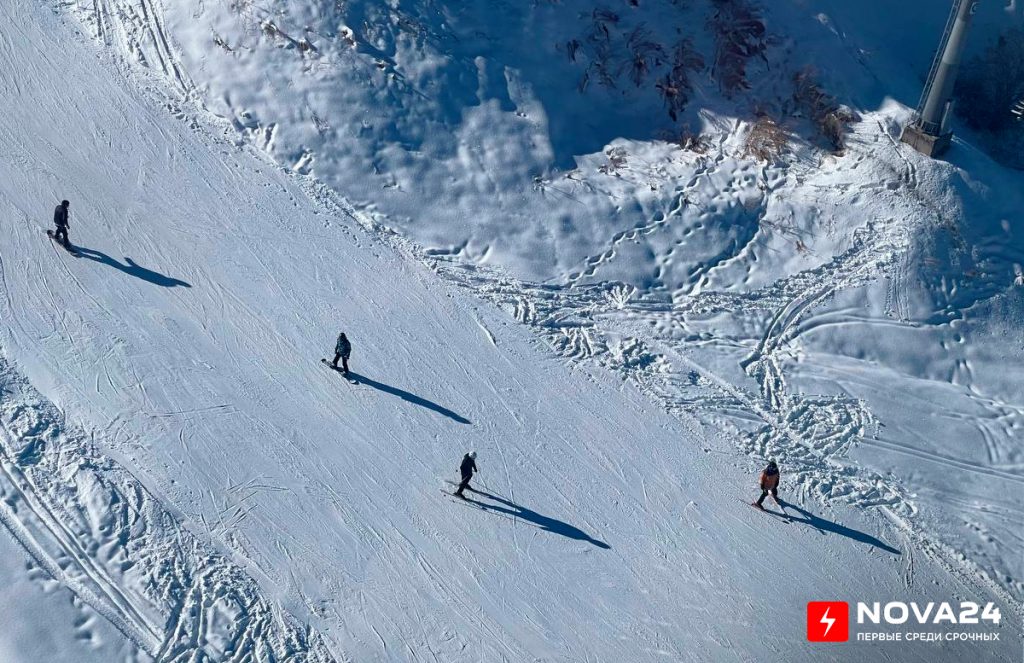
point(64, 203)
point(772, 463)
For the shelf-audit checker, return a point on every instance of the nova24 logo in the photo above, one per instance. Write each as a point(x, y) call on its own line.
point(829, 621)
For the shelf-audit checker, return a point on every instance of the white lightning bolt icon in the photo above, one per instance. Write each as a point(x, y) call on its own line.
point(825, 619)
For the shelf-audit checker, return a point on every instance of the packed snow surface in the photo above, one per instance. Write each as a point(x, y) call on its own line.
point(622, 328)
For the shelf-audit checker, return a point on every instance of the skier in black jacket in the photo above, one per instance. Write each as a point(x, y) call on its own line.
point(60, 219)
point(467, 468)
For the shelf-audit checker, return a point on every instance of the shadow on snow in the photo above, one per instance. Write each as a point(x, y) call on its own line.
point(543, 522)
point(823, 526)
point(131, 268)
point(409, 397)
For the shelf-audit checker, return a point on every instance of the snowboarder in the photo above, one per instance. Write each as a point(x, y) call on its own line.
point(60, 219)
point(769, 483)
point(467, 468)
point(342, 350)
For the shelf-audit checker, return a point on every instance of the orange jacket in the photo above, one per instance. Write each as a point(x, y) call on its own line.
point(770, 481)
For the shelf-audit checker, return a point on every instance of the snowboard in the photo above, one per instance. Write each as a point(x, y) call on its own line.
point(350, 379)
point(67, 247)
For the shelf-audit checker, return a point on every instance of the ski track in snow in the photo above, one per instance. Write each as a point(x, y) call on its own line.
point(94, 527)
point(809, 435)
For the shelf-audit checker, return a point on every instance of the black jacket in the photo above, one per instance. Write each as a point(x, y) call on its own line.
point(343, 347)
point(468, 466)
point(60, 216)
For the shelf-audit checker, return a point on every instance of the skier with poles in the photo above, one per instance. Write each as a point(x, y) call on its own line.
point(769, 484)
point(467, 468)
point(60, 219)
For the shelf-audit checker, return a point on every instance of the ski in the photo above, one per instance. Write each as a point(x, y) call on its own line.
point(461, 500)
point(753, 505)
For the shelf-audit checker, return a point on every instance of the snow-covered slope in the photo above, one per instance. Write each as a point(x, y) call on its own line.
point(534, 140)
point(176, 457)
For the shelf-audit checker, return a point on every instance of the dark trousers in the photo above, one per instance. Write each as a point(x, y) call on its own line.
point(464, 484)
point(62, 235)
point(344, 361)
point(764, 494)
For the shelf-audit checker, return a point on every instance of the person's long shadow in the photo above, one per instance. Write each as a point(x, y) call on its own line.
point(544, 522)
point(408, 397)
point(822, 525)
point(131, 268)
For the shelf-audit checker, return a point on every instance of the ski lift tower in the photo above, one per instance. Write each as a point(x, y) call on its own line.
point(929, 133)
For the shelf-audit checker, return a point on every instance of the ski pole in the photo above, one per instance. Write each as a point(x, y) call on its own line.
point(481, 482)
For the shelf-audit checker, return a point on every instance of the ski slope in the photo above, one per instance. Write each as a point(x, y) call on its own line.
point(176, 457)
point(849, 311)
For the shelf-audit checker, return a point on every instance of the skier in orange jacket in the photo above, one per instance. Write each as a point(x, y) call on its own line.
point(769, 483)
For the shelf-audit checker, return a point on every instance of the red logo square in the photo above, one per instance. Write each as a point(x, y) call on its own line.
point(828, 621)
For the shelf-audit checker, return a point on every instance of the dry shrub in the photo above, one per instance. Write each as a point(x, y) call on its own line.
point(271, 30)
point(220, 41)
point(599, 43)
point(739, 34)
point(687, 140)
point(675, 87)
point(829, 118)
point(766, 140)
point(644, 55)
point(610, 51)
point(616, 160)
point(693, 142)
